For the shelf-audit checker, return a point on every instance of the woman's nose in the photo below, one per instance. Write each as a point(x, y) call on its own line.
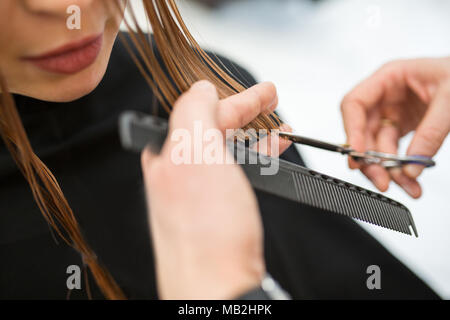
point(55, 7)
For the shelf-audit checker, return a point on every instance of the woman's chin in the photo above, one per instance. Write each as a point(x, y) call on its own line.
point(64, 87)
point(68, 93)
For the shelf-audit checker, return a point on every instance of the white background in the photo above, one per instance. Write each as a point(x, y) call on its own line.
point(315, 53)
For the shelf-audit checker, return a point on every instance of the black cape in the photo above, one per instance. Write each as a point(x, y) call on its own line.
point(311, 253)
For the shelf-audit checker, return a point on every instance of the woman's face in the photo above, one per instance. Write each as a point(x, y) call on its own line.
point(46, 54)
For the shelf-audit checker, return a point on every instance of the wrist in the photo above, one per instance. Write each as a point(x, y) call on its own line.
point(225, 281)
point(269, 289)
point(193, 269)
point(188, 275)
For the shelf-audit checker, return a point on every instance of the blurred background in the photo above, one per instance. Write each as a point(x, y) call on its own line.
point(315, 52)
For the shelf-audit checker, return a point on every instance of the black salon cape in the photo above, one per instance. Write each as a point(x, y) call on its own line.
point(311, 253)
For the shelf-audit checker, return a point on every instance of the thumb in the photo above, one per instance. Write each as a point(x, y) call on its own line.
point(199, 103)
point(432, 131)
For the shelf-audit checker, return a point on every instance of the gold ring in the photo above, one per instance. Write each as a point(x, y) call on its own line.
point(388, 123)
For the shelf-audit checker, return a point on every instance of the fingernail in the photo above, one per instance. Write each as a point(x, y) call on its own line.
point(413, 171)
point(203, 85)
point(381, 184)
point(411, 190)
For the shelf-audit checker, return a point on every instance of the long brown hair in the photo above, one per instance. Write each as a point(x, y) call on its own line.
point(184, 63)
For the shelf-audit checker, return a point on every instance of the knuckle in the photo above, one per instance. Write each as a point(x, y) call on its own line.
point(392, 65)
point(391, 69)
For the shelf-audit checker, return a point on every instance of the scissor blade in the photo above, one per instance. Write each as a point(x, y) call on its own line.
point(315, 143)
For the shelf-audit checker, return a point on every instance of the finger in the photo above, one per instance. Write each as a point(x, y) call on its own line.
point(355, 108)
point(266, 147)
point(239, 110)
point(193, 114)
point(364, 98)
point(375, 173)
point(355, 120)
point(411, 186)
point(199, 103)
point(387, 141)
point(432, 131)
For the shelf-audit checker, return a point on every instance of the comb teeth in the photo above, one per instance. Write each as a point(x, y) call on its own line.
point(317, 190)
point(337, 196)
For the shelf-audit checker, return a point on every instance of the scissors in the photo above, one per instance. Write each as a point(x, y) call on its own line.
point(386, 160)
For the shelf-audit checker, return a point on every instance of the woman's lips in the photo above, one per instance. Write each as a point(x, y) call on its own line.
point(70, 58)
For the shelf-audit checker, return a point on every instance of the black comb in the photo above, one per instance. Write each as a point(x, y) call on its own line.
point(292, 181)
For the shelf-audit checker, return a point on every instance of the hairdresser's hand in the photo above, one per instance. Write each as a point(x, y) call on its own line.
point(239, 110)
point(205, 222)
point(401, 97)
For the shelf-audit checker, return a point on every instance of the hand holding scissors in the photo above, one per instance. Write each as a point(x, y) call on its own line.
point(401, 97)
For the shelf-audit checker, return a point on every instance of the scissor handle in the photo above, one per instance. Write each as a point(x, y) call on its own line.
point(421, 160)
point(388, 160)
